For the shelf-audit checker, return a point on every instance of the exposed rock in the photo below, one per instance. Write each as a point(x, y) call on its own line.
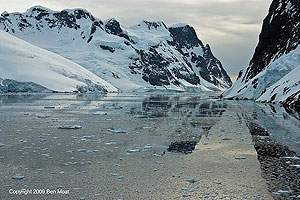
point(182, 147)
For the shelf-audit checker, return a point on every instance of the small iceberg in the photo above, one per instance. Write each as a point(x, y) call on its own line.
point(134, 150)
point(100, 113)
point(18, 177)
point(68, 127)
point(112, 130)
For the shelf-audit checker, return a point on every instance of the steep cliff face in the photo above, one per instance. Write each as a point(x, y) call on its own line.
point(206, 65)
point(273, 74)
point(148, 55)
point(280, 35)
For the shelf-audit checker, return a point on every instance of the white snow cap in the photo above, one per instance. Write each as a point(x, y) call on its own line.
point(38, 7)
point(178, 25)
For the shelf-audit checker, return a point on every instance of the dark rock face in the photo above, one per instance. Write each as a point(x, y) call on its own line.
point(114, 27)
point(280, 34)
point(292, 104)
point(210, 68)
point(108, 48)
point(154, 25)
point(185, 37)
point(154, 69)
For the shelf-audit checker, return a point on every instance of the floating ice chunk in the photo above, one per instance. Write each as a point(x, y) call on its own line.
point(147, 127)
point(88, 136)
point(190, 179)
point(148, 146)
point(112, 130)
point(283, 193)
point(134, 150)
point(292, 158)
point(111, 143)
point(240, 158)
point(297, 166)
point(2, 145)
point(100, 113)
point(18, 177)
point(156, 155)
point(68, 127)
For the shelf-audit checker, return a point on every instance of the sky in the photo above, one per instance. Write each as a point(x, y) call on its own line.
point(230, 27)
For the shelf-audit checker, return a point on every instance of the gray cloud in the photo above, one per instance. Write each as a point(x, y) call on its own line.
point(231, 27)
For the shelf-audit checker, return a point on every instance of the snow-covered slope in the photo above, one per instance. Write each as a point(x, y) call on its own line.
point(27, 68)
point(148, 55)
point(275, 83)
point(274, 71)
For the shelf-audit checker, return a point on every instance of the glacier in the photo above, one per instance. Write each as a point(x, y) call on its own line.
point(27, 68)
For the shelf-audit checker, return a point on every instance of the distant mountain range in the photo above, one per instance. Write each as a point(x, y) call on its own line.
point(149, 55)
point(274, 71)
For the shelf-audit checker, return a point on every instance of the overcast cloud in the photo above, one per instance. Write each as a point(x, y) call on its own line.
point(231, 27)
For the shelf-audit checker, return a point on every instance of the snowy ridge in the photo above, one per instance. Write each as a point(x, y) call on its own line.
point(149, 55)
point(41, 70)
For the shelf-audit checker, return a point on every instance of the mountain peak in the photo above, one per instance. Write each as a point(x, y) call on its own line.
point(185, 36)
point(5, 14)
point(178, 25)
point(112, 26)
point(39, 9)
point(154, 24)
point(80, 12)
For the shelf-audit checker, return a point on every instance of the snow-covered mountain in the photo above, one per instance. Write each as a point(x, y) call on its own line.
point(27, 68)
point(274, 71)
point(148, 55)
